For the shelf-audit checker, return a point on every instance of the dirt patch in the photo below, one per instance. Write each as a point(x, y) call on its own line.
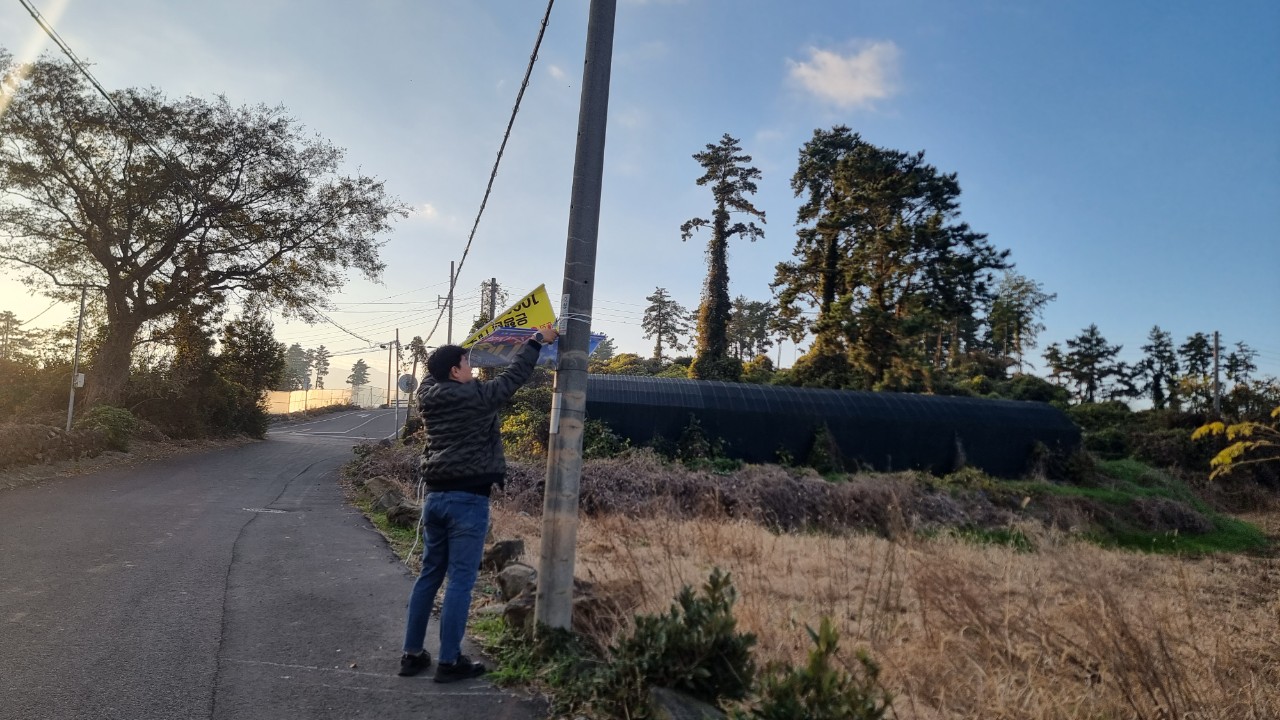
point(141, 451)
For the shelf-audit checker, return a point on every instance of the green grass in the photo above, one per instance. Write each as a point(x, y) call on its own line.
point(1229, 536)
point(1132, 480)
point(1007, 537)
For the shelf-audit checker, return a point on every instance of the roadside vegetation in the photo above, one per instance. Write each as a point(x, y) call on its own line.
point(1115, 588)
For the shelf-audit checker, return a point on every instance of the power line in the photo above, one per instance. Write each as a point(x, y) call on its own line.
point(533, 58)
point(42, 312)
point(163, 157)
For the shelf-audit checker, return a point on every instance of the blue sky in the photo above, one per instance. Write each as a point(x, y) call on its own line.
point(1128, 154)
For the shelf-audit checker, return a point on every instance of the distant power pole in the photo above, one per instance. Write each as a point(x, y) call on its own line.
point(1217, 386)
point(554, 601)
point(448, 302)
point(493, 299)
point(75, 364)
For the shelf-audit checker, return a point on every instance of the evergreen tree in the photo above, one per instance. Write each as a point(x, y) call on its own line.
point(320, 363)
point(883, 257)
point(1240, 363)
point(250, 354)
point(13, 339)
point(297, 369)
point(816, 277)
point(1057, 362)
point(417, 353)
point(749, 328)
point(732, 179)
point(1090, 363)
point(1014, 320)
point(666, 321)
point(359, 376)
point(1196, 385)
point(1159, 369)
point(1197, 355)
point(605, 350)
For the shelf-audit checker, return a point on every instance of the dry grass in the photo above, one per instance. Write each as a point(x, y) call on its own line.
point(970, 631)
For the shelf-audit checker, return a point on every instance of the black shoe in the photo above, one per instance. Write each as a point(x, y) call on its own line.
point(461, 669)
point(414, 664)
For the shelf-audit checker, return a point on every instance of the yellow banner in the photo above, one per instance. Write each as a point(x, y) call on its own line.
point(532, 312)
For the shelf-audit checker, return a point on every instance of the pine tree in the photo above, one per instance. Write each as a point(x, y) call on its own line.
point(749, 328)
point(320, 363)
point(1014, 321)
point(896, 277)
point(1159, 369)
point(359, 376)
point(250, 354)
point(732, 179)
point(666, 321)
point(297, 371)
point(1240, 363)
point(1090, 363)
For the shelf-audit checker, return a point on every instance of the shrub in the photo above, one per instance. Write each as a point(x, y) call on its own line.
point(694, 444)
point(821, 690)
point(116, 424)
point(600, 441)
point(1101, 416)
point(1108, 444)
point(824, 452)
point(1036, 389)
point(695, 648)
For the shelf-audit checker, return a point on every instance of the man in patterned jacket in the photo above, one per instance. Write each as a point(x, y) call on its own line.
point(462, 461)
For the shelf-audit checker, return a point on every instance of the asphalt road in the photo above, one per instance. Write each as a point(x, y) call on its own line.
point(232, 585)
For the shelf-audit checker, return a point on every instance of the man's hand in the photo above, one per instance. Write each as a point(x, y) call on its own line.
point(549, 335)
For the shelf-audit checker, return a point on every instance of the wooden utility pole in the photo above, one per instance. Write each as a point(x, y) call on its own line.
point(554, 601)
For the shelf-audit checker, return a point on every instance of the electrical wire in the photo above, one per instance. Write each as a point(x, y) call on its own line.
point(163, 157)
point(42, 312)
point(533, 59)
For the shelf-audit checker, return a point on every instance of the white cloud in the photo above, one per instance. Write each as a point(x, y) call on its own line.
point(852, 80)
point(425, 210)
point(556, 72)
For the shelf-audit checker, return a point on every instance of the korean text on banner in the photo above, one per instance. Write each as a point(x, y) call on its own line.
point(532, 312)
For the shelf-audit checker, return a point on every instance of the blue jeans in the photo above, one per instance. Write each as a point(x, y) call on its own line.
point(454, 527)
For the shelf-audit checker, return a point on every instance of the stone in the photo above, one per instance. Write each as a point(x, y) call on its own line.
point(514, 579)
point(501, 554)
point(519, 612)
point(379, 486)
point(671, 705)
point(388, 501)
point(405, 515)
point(493, 610)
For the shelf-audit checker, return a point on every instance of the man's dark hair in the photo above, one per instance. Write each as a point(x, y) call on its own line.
point(443, 359)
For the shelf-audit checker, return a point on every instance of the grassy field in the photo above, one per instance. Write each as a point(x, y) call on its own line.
point(1029, 619)
point(966, 630)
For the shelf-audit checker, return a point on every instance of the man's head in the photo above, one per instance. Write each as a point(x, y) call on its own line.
point(449, 362)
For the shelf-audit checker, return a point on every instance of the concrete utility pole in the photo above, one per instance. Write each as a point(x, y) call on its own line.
point(448, 303)
point(554, 602)
point(75, 363)
point(394, 382)
point(1217, 387)
point(493, 298)
point(390, 349)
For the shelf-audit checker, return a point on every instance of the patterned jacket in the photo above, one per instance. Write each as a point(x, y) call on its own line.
point(464, 441)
